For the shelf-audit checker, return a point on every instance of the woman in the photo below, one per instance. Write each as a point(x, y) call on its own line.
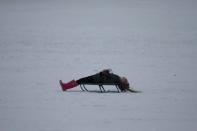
point(104, 77)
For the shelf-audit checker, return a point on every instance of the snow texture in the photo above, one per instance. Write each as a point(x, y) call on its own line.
point(152, 42)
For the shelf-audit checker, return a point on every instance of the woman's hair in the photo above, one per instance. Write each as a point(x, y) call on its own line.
point(124, 83)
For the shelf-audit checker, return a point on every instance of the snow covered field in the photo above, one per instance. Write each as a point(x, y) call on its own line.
point(152, 42)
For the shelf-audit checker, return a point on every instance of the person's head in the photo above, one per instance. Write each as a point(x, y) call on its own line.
point(124, 83)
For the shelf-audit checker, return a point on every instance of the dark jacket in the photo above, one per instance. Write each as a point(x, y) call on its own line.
point(104, 77)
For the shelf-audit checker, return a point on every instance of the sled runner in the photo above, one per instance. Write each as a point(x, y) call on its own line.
point(101, 86)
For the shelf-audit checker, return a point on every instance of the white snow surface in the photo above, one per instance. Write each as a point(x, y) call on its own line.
point(152, 42)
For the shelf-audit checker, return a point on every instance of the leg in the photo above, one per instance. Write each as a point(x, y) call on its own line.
point(89, 79)
point(68, 85)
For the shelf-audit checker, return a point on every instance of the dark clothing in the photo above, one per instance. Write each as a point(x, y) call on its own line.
point(104, 77)
point(100, 78)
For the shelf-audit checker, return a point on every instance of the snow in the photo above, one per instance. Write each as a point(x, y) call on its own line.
point(152, 42)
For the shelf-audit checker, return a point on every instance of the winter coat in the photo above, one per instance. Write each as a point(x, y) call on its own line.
point(104, 77)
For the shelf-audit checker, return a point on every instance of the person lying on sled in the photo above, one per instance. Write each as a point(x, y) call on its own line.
point(103, 77)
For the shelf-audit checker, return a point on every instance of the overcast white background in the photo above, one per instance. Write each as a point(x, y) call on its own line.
point(152, 42)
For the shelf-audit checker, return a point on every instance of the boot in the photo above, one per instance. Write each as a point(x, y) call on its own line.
point(68, 85)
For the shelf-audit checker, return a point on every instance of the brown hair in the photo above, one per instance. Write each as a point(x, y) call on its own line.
point(124, 84)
